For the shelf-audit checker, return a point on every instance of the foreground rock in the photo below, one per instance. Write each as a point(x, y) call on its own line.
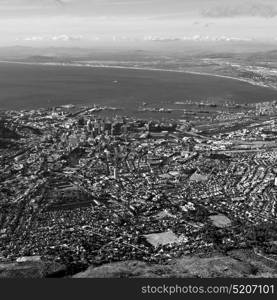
point(186, 267)
point(28, 268)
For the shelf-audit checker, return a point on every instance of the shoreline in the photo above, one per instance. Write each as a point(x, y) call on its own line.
point(86, 65)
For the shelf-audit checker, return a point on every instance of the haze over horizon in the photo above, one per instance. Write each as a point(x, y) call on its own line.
point(89, 22)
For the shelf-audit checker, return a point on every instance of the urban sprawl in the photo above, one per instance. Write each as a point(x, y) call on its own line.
point(80, 188)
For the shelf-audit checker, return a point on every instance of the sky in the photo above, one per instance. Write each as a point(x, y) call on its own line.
point(89, 22)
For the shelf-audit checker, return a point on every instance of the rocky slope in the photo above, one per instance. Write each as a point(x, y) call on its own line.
point(235, 264)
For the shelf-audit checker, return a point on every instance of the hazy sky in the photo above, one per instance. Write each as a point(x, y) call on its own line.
point(84, 22)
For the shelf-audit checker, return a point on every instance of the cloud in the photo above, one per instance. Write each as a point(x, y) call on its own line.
point(34, 38)
point(246, 9)
point(197, 38)
point(60, 2)
point(207, 38)
point(57, 38)
point(66, 38)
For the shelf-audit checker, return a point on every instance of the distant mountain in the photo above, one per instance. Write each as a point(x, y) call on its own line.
point(151, 47)
point(265, 56)
point(64, 54)
point(148, 51)
point(26, 52)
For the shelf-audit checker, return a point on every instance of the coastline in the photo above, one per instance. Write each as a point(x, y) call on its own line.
point(77, 64)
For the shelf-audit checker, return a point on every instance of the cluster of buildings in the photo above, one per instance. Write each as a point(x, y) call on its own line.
point(83, 188)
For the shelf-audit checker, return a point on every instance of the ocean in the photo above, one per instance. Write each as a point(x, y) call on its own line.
point(30, 86)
